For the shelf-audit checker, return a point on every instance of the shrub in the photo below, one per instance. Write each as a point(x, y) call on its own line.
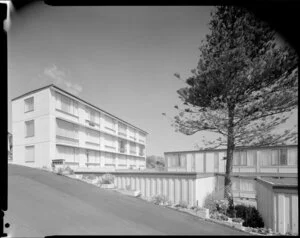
point(183, 204)
point(107, 179)
point(250, 215)
point(158, 199)
point(60, 171)
point(218, 216)
point(128, 187)
point(210, 203)
point(222, 206)
point(89, 176)
point(70, 171)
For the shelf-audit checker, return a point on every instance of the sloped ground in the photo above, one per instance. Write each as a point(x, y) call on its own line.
point(41, 203)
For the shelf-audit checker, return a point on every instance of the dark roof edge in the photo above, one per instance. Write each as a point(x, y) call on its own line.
point(274, 185)
point(238, 147)
point(70, 94)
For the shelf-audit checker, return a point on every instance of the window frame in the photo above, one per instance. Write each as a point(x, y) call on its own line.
point(30, 161)
point(26, 129)
point(25, 104)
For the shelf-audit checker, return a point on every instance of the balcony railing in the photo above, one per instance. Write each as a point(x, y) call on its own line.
point(133, 152)
point(141, 153)
point(110, 129)
point(110, 147)
point(122, 134)
point(122, 150)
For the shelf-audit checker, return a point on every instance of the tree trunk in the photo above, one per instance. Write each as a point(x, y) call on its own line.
point(230, 148)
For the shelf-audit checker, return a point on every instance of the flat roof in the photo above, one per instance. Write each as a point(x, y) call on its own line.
point(72, 95)
point(237, 148)
point(284, 183)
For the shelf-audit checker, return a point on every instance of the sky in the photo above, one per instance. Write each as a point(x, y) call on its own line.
point(121, 59)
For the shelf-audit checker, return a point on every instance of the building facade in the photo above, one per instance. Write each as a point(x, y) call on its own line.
point(52, 126)
point(248, 163)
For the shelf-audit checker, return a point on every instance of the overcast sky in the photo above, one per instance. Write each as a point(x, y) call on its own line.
point(121, 59)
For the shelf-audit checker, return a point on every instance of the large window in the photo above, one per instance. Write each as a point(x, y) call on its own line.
point(110, 159)
point(93, 116)
point(29, 128)
point(292, 157)
point(110, 142)
point(283, 156)
point(251, 157)
point(216, 161)
point(66, 129)
point(109, 123)
point(177, 160)
point(29, 154)
point(240, 158)
point(66, 104)
point(141, 150)
point(132, 148)
point(132, 133)
point(122, 129)
point(122, 148)
point(265, 157)
point(92, 136)
point(29, 104)
point(69, 154)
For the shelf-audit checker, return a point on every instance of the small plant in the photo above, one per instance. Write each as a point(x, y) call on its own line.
point(237, 220)
point(159, 199)
point(69, 170)
point(60, 171)
point(183, 204)
point(210, 203)
point(107, 179)
point(219, 216)
point(128, 187)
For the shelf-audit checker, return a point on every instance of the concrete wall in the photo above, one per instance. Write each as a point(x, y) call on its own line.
point(204, 187)
point(178, 187)
point(42, 129)
point(278, 207)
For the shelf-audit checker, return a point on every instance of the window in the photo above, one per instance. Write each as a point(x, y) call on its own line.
point(92, 136)
point(236, 158)
point(110, 123)
point(122, 148)
point(283, 156)
point(29, 125)
point(216, 161)
point(132, 133)
point(122, 129)
point(29, 154)
point(275, 157)
point(243, 156)
point(265, 157)
point(66, 129)
point(132, 148)
point(29, 104)
point(251, 157)
point(93, 116)
point(69, 154)
point(141, 151)
point(110, 159)
point(247, 185)
point(66, 104)
point(292, 157)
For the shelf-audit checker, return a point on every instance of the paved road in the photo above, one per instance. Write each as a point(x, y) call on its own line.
point(41, 203)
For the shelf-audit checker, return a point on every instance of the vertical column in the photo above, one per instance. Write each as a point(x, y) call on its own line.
point(177, 190)
point(171, 190)
point(191, 192)
point(132, 183)
point(148, 188)
point(144, 186)
point(152, 187)
point(119, 182)
point(158, 186)
point(184, 190)
point(123, 182)
point(138, 184)
point(281, 218)
point(116, 182)
point(165, 187)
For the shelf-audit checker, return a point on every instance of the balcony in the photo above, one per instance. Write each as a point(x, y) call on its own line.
point(122, 150)
point(122, 134)
point(141, 154)
point(110, 129)
point(132, 152)
point(110, 147)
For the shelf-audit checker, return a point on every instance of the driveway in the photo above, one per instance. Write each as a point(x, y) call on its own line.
point(41, 203)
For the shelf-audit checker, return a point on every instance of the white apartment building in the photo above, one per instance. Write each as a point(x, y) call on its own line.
point(50, 125)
